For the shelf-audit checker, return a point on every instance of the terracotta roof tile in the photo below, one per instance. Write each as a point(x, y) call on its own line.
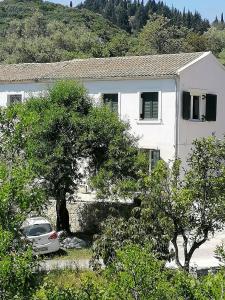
point(151, 66)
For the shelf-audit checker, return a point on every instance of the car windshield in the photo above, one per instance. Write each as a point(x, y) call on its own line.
point(37, 229)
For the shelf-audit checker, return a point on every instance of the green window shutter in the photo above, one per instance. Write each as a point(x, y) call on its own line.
point(112, 101)
point(211, 107)
point(186, 107)
point(150, 105)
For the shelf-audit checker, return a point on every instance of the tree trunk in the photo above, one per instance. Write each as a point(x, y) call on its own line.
point(62, 222)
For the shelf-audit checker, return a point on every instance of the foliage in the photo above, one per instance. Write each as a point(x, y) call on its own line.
point(36, 31)
point(119, 232)
point(220, 253)
point(91, 215)
point(134, 274)
point(18, 279)
point(160, 36)
point(53, 129)
point(135, 14)
point(190, 206)
point(20, 194)
point(66, 140)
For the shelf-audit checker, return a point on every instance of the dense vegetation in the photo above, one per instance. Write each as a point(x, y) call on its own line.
point(133, 15)
point(37, 31)
point(47, 140)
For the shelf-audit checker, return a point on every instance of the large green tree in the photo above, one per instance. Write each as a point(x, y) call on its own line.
point(65, 137)
point(188, 206)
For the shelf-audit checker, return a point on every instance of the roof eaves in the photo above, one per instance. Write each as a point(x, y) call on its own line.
point(43, 80)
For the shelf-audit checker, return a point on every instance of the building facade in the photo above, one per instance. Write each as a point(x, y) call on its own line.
point(169, 100)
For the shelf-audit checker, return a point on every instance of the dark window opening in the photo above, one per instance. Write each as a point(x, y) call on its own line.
point(14, 99)
point(196, 108)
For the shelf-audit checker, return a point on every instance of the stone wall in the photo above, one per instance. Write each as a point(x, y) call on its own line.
point(86, 216)
point(73, 209)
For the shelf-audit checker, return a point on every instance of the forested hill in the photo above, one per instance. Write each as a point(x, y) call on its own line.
point(37, 31)
point(132, 15)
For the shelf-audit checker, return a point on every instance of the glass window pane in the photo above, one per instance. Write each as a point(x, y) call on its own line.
point(150, 105)
point(196, 109)
point(155, 157)
point(112, 101)
point(15, 99)
point(37, 229)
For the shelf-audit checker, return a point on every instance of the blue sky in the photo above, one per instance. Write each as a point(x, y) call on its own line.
point(208, 8)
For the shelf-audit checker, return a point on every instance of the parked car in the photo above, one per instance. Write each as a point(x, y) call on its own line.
point(39, 231)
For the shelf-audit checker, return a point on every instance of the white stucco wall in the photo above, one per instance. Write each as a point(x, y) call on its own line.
point(153, 135)
point(208, 76)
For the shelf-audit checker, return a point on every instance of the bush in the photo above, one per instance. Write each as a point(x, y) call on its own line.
point(18, 278)
point(91, 215)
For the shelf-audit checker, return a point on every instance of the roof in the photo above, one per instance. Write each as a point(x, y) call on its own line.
point(149, 66)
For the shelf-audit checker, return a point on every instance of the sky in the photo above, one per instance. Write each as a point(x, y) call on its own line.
point(207, 8)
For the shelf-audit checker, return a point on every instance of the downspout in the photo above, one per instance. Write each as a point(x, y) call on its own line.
point(177, 112)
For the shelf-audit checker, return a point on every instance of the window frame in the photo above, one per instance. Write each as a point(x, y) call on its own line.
point(150, 151)
point(113, 93)
point(202, 106)
point(150, 121)
point(14, 94)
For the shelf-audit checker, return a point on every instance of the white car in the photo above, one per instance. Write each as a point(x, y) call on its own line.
point(39, 231)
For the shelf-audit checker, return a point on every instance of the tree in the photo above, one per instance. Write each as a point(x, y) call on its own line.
point(216, 40)
point(20, 194)
point(188, 206)
point(193, 206)
point(54, 128)
point(159, 36)
point(137, 274)
point(66, 139)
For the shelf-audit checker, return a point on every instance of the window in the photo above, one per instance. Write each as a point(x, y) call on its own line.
point(154, 157)
point(149, 106)
point(37, 229)
point(14, 98)
point(195, 108)
point(199, 107)
point(111, 100)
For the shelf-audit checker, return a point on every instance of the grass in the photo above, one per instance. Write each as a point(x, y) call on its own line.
point(72, 254)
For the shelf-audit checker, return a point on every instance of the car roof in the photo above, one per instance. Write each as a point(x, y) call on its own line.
point(35, 221)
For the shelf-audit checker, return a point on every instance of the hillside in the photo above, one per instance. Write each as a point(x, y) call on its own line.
point(132, 15)
point(44, 32)
point(37, 31)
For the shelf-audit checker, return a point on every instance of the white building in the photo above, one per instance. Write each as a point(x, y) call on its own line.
point(169, 100)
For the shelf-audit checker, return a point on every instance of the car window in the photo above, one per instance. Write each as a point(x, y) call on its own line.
point(37, 229)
